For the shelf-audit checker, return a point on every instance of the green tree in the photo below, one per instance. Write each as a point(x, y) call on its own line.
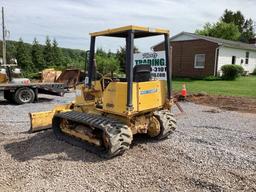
point(10, 51)
point(231, 26)
point(37, 55)
point(48, 55)
point(248, 31)
point(121, 56)
point(23, 57)
point(112, 65)
point(57, 54)
point(245, 26)
point(221, 30)
point(107, 63)
point(101, 63)
point(234, 17)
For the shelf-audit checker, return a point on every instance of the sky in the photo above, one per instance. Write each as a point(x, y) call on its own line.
point(71, 21)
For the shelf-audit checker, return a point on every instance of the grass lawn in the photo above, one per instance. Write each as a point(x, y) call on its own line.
point(243, 86)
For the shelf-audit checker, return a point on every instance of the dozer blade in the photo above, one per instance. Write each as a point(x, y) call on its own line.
point(43, 120)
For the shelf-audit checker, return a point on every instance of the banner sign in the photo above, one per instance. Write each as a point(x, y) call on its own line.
point(156, 60)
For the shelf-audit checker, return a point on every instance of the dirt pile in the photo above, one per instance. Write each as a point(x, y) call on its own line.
point(241, 104)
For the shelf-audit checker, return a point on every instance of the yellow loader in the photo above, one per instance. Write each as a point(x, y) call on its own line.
point(107, 112)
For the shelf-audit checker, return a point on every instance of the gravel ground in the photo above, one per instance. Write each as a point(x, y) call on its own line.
point(212, 150)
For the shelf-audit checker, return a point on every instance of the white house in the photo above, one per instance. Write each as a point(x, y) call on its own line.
point(198, 55)
point(239, 56)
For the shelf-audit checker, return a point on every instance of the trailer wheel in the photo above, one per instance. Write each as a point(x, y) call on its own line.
point(24, 95)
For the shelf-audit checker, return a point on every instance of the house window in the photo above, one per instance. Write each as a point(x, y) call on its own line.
point(233, 59)
point(247, 55)
point(199, 61)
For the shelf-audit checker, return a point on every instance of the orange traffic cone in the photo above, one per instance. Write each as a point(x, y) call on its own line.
point(184, 90)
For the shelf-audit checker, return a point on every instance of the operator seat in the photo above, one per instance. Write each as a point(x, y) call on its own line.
point(141, 73)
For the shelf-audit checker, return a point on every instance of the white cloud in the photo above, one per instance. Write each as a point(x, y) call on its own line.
point(70, 21)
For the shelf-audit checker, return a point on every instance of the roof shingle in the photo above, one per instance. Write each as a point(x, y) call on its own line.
point(224, 42)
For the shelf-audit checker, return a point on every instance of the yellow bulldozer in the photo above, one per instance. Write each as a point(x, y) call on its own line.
point(107, 111)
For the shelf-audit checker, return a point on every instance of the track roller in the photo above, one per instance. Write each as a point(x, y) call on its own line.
point(104, 136)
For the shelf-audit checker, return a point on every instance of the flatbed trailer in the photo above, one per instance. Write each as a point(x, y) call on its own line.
point(28, 93)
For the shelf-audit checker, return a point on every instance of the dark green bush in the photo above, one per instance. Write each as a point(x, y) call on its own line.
point(231, 72)
point(240, 70)
point(212, 78)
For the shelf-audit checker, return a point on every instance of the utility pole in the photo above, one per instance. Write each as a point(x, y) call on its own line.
point(8, 70)
point(4, 42)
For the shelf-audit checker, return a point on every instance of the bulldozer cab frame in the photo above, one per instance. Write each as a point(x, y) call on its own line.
point(103, 119)
point(130, 33)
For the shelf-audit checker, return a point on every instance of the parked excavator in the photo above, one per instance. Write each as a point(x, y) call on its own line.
point(107, 112)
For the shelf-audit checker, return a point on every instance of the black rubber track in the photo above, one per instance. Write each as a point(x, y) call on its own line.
point(119, 135)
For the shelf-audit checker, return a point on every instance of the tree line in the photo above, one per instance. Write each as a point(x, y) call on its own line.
point(33, 58)
point(231, 26)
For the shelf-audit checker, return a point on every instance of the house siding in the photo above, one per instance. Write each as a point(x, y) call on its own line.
point(226, 53)
point(183, 57)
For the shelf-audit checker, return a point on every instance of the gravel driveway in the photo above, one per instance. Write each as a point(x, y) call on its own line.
point(212, 150)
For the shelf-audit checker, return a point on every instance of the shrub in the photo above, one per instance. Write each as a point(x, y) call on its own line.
point(240, 69)
point(212, 78)
point(231, 72)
